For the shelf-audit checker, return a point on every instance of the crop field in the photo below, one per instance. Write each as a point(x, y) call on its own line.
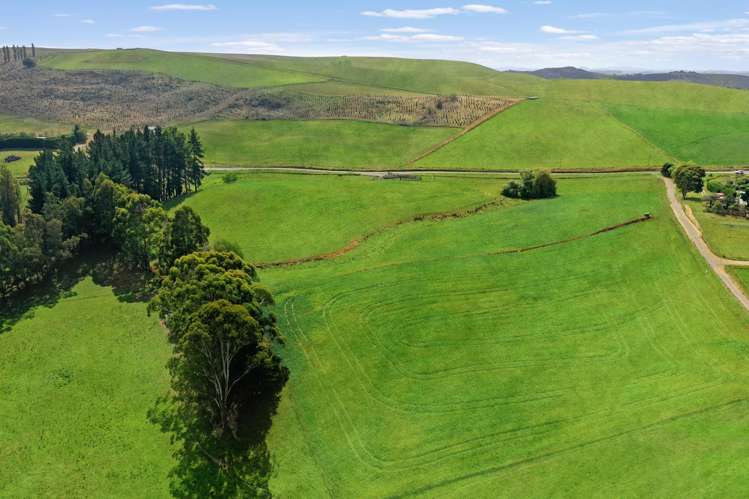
point(549, 134)
point(75, 424)
point(702, 137)
point(429, 363)
point(321, 215)
point(20, 167)
point(191, 67)
point(333, 144)
point(455, 111)
point(727, 236)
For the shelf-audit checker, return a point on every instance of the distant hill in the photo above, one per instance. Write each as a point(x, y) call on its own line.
point(721, 80)
point(738, 81)
point(567, 73)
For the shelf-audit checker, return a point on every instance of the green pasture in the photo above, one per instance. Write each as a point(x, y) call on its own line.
point(549, 134)
point(426, 364)
point(313, 216)
point(703, 137)
point(439, 358)
point(185, 66)
point(78, 375)
point(742, 275)
point(330, 144)
point(20, 167)
point(727, 236)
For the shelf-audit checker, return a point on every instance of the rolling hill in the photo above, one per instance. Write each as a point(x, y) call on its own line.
point(580, 123)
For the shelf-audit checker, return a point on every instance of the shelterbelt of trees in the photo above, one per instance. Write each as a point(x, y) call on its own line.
point(217, 314)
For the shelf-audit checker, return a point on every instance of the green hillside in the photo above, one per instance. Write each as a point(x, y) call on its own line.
point(331, 144)
point(549, 133)
point(707, 137)
point(185, 66)
point(576, 123)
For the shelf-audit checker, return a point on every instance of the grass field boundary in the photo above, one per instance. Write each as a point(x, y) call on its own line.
point(355, 243)
point(468, 129)
point(438, 217)
point(639, 134)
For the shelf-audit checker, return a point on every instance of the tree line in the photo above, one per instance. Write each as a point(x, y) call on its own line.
point(218, 316)
point(27, 141)
point(17, 53)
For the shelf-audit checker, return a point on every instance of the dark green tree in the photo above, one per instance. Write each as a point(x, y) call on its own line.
point(689, 179)
point(184, 234)
point(10, 198)
point(666, 170)
point(544, 186)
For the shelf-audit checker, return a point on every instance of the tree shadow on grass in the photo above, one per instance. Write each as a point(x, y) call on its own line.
point(128, 286)
point(47, 293)
point(105, 270)
point(206, 467)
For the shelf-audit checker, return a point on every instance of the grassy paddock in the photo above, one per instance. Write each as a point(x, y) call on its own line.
point(77, 378)
point(333, 144)
point(313, 215)
point(727, 236)
point(422, 365)
point(742, 275)
point(549, 134)
point(19, 168)
point(704, 137)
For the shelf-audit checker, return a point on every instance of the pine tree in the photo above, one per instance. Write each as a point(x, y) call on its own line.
point(10, 198)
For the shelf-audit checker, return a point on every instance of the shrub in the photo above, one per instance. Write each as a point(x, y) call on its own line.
point(533, 186)
point(715, 186)
point(230, 178)
point(666, 170)
point(29, 63)
point(512, 190)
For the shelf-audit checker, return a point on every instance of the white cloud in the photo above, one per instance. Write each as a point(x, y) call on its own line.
point(146, 29)
point(543, 2)
point(474, 8)
point(422, 37)
point(484, 9)
point(405, 29)
point(553, 30)
point(703, 27)
point(412, 13)
point(88, 21)
point(2, 28)
point(582, 38)
point(431, 37)
point(62, 15)
point(171, 7)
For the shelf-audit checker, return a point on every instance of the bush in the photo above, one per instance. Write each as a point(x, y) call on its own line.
point(666, 170)
point(533, 186)
point(715, 186)
point(230, 178)
point(512, 190)
point(29, 63)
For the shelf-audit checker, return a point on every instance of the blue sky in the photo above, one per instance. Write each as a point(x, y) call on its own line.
point(656, 35)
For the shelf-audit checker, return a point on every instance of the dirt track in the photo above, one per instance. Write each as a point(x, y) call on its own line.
point(718, 264)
